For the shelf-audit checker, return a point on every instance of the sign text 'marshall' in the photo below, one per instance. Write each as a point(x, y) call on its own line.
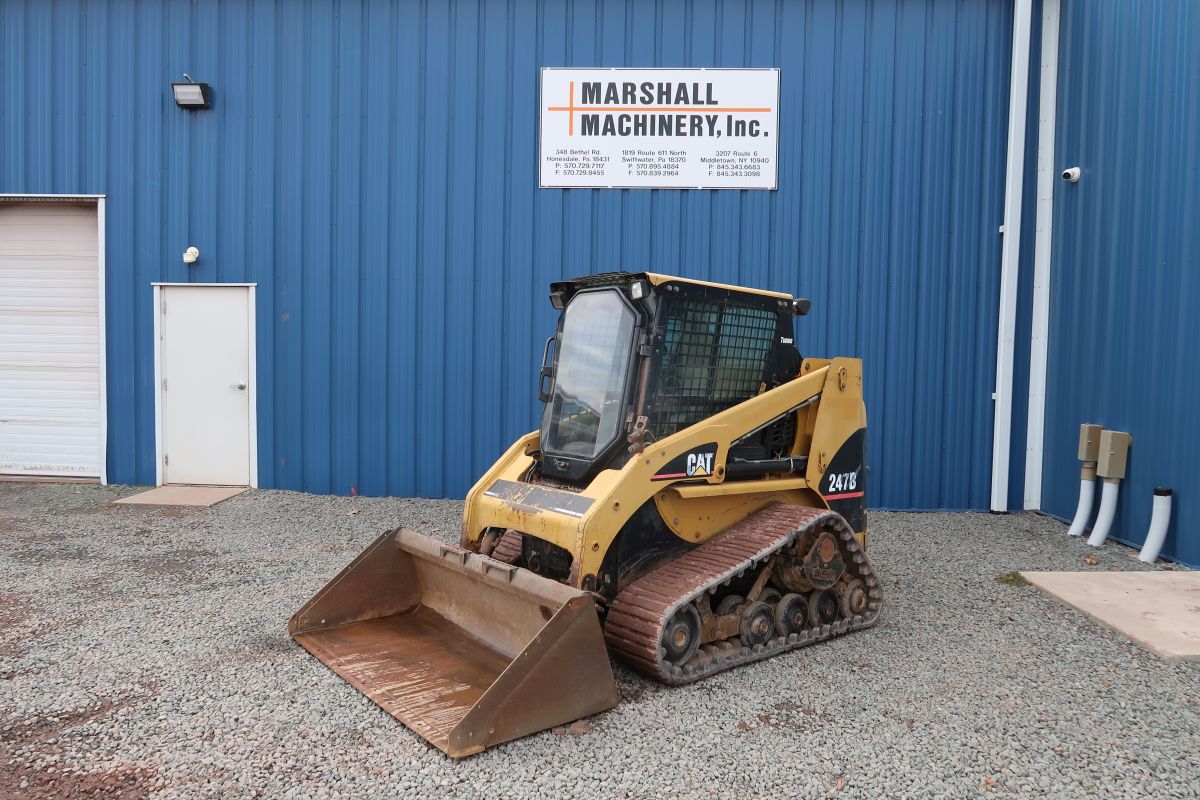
point(647, 93)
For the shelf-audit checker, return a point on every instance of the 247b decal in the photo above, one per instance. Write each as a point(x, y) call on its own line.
point(842, 485)
point(843, 482)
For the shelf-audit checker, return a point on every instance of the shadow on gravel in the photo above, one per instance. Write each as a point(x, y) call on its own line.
point(178, 563)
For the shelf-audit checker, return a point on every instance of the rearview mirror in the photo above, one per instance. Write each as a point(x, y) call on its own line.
point(801, 306)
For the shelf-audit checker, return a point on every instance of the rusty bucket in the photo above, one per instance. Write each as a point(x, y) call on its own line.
point(466, 651)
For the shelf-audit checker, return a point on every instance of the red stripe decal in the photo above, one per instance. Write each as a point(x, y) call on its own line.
point(845, 496)
point(670, 475)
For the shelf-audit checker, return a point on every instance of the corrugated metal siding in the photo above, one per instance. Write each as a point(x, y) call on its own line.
point(1125, 285)
point(372, 166)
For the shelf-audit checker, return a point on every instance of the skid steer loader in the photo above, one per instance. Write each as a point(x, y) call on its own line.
point(694, 500)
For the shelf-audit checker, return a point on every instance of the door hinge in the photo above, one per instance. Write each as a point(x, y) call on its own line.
point(166, 459)
point(164, 384)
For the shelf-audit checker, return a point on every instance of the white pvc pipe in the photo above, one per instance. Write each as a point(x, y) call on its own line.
point(1039, 336)
point(1160, 518)
point(1010, 251)
point(1087, 491)
point(1108, 509)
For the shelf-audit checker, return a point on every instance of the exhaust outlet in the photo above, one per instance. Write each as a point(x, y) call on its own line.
point(1089, 452)
point(1114, 452)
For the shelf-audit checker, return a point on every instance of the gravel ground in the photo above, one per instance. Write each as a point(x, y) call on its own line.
point(144, 653)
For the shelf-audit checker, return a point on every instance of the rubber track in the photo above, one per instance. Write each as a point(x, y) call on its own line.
point(508, 549)
point(635, 622)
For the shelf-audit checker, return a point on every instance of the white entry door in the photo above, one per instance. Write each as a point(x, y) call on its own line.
point(206, 392)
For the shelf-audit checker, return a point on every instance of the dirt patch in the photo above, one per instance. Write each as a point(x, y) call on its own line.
point(14, 612)
point(8, 523)
point(122, 782)
point(20, 779)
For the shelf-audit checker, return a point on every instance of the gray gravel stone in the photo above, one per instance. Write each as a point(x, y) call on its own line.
point(144, 652)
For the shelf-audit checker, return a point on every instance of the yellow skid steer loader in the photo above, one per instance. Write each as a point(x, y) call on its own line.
point(694, 500)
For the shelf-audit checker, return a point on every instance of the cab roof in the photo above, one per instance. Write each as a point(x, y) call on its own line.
point(625, 278)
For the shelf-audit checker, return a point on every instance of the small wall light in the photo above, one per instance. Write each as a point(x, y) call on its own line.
point(191, 94)
point(190, 255)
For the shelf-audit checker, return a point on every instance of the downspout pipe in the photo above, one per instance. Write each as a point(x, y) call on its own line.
point(1089, 452)
point(1114, 453)
point(1160, 519)
point(1108, 509)
point(1043, 234)
point(1087, 492)
point(1010, 252)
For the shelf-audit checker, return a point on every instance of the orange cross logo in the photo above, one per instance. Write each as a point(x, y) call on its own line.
point(569, 108)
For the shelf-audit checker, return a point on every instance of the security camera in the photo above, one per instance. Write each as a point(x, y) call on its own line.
point(1071, 175)
point(190, 255)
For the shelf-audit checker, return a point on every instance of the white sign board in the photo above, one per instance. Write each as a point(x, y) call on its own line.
point(659, 128)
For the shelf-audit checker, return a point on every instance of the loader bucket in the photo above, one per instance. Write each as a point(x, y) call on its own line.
point(466, 651)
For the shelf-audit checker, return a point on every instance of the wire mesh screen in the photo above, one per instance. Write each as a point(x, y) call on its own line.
point(713, 358)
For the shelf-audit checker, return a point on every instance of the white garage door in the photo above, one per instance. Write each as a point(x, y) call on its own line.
point(49, 340)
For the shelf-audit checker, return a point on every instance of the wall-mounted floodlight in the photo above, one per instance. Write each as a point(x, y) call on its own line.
point(191, 94)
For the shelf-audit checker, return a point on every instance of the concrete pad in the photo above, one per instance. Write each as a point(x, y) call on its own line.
point(1158, 610)
point(183, 496)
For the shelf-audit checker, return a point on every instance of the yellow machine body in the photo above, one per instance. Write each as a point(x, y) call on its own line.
point(695, 508)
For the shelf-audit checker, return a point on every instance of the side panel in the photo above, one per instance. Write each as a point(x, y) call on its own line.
point(844, 486)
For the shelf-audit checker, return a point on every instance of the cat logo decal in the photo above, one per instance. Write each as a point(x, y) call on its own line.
point(699, 462)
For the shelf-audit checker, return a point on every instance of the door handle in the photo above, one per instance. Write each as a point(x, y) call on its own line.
point(240, 385)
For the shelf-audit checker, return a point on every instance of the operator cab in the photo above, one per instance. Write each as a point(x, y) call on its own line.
point(639, 356)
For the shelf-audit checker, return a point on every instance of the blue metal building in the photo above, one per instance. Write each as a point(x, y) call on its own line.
point(372, 167)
